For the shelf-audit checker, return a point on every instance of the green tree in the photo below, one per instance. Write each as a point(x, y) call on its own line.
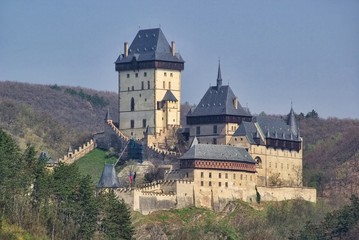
point(116, 218)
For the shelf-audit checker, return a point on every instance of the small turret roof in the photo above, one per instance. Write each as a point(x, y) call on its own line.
point(108, 116)
point(108, 178)
point(292, 122)
point(169, 97)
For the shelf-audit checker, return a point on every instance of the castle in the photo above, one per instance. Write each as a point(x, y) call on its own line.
point(233, 154)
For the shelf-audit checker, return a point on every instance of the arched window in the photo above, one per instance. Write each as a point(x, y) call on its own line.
point(258, 162)
point(132, 104)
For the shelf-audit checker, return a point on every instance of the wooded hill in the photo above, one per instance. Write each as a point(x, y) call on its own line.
point(51, 117)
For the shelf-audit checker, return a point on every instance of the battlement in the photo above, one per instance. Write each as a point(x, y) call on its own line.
point(72, 156)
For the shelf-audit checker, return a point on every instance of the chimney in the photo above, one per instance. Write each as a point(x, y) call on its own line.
point(173, 48)
point(126, 49)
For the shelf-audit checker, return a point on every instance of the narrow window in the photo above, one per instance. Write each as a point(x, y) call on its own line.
point(214, 140)
point(219, 175)
point(164, 84)
point(142, 85)
point(169, 85)
point(144, 123)
point(133, 88)
point(215, 129)
point(132, 104)
point(136, 75)
point(165, 74)
point(210, 175)
point(210, 183)
point(201, 183)
point(128, 75)
point(226, 184)
point(198, 130)
point(226, 175)
point(219, 184)
point(132, 123)
point(234, 176)
point(148, 85)
point(145, 74)
point(241, 176)
point(171, 74)
point(201, 174)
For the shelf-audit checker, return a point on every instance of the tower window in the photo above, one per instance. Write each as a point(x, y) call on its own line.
point(226, 184)
point(219, 175)
point(145, 74)
point(219, 184)
point(136, 75)
point(215, 129)
point(144, 123)
point(133, 88)
point(201, 174)
point(164, 84)
point(171, 74)
point(165, 74)
point(132, 123)
point(148, 85)
point(201, 183)
point(132, 104)
point(169, 85)
point(198, 130)
point(128, 75)
point(142, 85)
point(226, 175)
point(210, 183)
point(210, 175)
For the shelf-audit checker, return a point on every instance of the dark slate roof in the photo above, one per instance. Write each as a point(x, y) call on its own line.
point(108, 178)
point(291, 122)
point(247, 129)
point(169, 97)
point(218, 152)
point(150, 45)
point(271, 127)
point(218, 101)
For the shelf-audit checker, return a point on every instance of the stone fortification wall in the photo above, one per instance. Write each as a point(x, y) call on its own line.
point(286, 193)
point(78, 153)
point(126, 194)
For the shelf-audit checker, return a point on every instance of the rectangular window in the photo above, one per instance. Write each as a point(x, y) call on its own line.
point(234, 176)
point(164, 84)
point(219, 184)
point(144, 123)
point(142, 85)
point(132, 123)
point(226, 175)
point(148, 85)
point(241, 176)
point(165, 74)
point(128, 75)
point(201, 183)
point(133, 88)
point(169, 85)
point(219, 175)
point(198, 130)
point(136, 75)
point(215, 129)
point(171, 74)
point(145, 74)
point(226, 184)
point(214, 140)
point(210, 183)
point(210, 175)
point(201, 174)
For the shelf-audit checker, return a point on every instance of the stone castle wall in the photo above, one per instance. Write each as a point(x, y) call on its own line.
point(78, 153)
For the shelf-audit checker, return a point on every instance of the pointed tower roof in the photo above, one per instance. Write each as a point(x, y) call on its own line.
point(69, 150)
point(292, 122)
point(108, 116)
point(169, 97)
point(219, 76)
point(108, 178)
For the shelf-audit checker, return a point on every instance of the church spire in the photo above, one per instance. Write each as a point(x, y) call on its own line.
point(292, 122)
point(219, 76)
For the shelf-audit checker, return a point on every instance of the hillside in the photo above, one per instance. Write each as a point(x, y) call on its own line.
point(52, 117)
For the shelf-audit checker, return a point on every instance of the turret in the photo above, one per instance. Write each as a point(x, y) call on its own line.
point(219, 76)
point(292, 122)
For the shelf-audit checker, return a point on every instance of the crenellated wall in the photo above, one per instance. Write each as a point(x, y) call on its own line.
point(78, 153)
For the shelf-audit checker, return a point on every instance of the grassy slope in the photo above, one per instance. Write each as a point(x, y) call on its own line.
point(93, 164)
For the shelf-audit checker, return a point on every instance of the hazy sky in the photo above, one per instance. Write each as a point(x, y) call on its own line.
point(272, 52)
